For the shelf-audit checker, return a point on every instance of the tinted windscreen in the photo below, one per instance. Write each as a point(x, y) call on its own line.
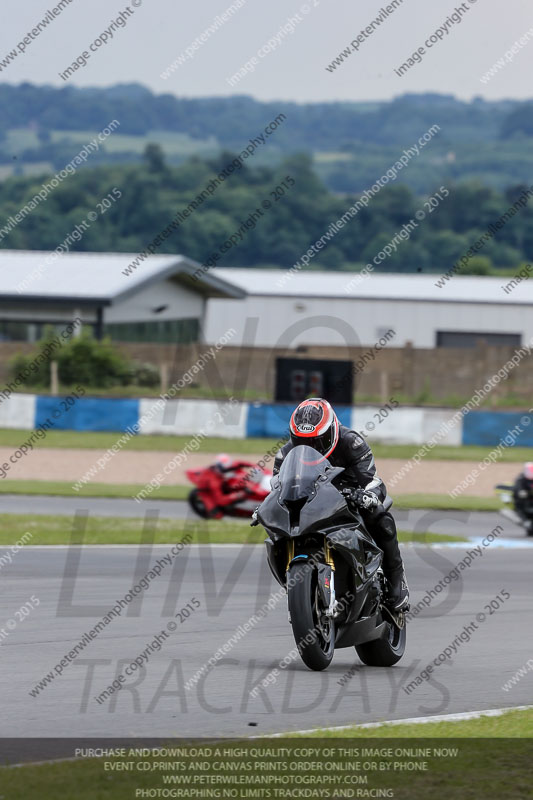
point(299, 472)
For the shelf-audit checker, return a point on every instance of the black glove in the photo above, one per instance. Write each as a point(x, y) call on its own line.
point(361, 498)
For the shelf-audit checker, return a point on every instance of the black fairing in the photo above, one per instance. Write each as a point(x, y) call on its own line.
point(303, 484)
point(305, 507)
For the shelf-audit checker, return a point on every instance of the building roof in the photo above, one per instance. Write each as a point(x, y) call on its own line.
point(97, 278)
point(385, 286)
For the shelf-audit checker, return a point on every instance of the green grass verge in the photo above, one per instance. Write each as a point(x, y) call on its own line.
point(84, 440)
point(443, 502)
point(50, 529)
point(88, 440)
point(62, 489)
point(447, 453)
point(485, 766)
point(511, 724)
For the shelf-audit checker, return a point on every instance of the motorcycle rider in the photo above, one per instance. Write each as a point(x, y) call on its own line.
point(315, 423)
point(523, 492)
point(232, 470)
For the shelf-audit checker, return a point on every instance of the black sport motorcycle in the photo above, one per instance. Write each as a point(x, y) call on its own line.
point(319, 549)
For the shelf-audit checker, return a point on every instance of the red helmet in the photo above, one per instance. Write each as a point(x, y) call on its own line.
point(315, 423)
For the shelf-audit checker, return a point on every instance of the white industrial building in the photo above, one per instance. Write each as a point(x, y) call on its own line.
point(159, 301)
point(162, 301)
point(327, 309)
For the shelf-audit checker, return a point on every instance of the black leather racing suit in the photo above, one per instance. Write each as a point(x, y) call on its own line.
point(523, 498)
point(353, 453)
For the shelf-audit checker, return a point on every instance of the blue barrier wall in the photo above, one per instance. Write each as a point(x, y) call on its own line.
point(491, 427)
point(273, 420)
point(88, 414)
point(487, 428)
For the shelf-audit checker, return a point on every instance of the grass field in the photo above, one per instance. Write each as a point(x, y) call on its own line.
point(511, 724)
point(89, 440)
point(174, 144)
point(492, 761)
point(50, 529)
point(443, 502)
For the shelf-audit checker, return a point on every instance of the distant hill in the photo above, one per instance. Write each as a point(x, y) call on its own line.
point(316, 126)
point(42, 127)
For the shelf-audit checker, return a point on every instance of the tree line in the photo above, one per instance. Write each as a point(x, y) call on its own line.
point(152, 192)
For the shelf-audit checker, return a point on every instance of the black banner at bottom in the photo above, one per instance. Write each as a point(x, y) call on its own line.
point(406, 769)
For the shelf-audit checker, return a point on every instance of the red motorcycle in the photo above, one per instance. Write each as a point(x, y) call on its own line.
point(227, 488)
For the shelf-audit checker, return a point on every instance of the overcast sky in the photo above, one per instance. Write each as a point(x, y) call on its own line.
point(159, 30)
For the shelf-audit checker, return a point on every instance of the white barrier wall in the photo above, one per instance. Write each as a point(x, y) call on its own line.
point(220, 419)
point(18, 411)
point(189, 417)
point(405, 425)
point(435, 418)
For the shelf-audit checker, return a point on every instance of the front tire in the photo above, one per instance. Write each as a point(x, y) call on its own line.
point(384, 652)
point(314, 633)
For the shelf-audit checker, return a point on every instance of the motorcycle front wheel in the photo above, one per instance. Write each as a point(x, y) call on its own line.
point(197, 504)
point(314, 633)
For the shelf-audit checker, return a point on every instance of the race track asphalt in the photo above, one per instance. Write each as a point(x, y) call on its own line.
point(76, 586)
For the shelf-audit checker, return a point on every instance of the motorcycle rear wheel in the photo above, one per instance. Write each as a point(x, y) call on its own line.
point(314, 633)
point(384, 652)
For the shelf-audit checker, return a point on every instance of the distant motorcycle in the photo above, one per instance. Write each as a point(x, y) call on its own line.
point(521, 512)
point(319, 549)
point(234, 494)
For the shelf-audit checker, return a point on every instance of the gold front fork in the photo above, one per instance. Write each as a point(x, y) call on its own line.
point(290, 552)
point(328, 556)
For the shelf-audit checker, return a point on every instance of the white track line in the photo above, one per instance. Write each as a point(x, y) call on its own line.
point(511, 544)
point(463, 715)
